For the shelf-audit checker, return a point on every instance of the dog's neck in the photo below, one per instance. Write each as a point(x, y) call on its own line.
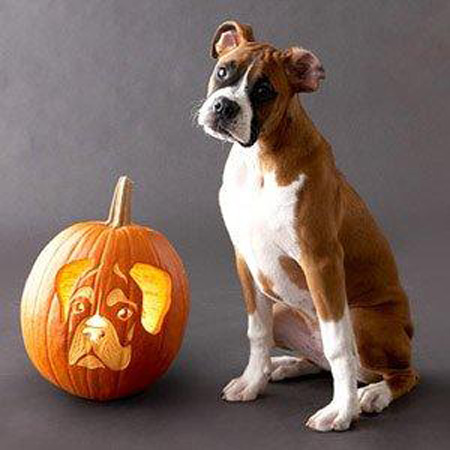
point(293, 145)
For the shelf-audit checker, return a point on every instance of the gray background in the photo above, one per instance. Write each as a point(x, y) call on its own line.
point(91, 89)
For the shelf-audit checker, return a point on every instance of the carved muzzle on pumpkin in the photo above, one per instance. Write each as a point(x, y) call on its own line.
point(102, 324)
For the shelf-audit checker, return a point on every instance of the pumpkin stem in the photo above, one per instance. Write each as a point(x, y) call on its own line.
point(120, 210)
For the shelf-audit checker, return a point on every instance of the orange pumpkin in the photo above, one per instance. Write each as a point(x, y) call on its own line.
point(105, 306)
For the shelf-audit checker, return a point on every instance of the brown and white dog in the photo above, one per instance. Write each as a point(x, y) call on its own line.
point(318, 276)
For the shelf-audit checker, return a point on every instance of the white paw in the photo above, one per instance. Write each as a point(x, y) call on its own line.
point(243, 389)
point(333, 418)
point(374, 397)
point(290, 367)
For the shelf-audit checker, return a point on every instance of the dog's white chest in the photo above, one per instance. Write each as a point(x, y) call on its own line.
point(260, 217)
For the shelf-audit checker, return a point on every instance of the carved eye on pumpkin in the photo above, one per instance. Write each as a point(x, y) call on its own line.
point(78, 307)
point(125, 308)
point(124, 313)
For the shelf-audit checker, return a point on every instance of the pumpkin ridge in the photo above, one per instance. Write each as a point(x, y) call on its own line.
point(90, 255)
point(125, 237)
point(100, 240)
point(90, 231)
point(147, 242)
point(44, 257)
point(183, 282)
point(49, 366)
point(183, 279)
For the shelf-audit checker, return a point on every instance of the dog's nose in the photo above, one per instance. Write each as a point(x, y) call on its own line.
point(94, 334)
point(226, 108)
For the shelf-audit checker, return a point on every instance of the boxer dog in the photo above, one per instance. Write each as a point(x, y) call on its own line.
point(317, 274)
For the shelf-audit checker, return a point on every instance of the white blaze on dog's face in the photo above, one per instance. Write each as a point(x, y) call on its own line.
point(252, 84)
point(227, 113)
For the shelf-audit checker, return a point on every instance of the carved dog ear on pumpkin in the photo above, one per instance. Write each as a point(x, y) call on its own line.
point(156, 287)
point(303, 69)
point(66, 282)
point(228, 36)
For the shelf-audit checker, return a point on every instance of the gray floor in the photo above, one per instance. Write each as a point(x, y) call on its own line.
point(183, 410)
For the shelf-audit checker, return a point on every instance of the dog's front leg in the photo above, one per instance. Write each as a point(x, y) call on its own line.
point(325, 275)
point(260, 334)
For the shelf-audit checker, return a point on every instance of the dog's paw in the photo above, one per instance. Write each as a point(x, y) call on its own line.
point(333, 418)
point(374, 397)
point(243, 389)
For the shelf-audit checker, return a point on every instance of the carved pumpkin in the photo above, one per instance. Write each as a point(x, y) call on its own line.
point(105, 306)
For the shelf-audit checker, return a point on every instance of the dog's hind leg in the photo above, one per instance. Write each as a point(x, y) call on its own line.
point(284, 367)
point(375, 397)
point(384, 348)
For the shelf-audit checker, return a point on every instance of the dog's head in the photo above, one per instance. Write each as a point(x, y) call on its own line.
point(102, 310)
point(252, 84)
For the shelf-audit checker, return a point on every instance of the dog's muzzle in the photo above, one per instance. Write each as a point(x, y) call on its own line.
point(96, 344)
point(219, 117)
point(227, 116)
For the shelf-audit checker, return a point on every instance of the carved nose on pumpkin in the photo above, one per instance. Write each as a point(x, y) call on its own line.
point(94, 334)
point(95, 328)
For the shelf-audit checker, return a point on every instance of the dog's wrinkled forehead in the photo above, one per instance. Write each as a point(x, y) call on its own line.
point(243, 65)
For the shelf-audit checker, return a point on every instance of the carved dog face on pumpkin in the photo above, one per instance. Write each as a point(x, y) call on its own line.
point(102, 319)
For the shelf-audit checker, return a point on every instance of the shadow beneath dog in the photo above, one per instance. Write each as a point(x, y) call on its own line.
point(426, 406)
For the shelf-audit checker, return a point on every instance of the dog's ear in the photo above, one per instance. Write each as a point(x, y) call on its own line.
point(66, 282)
point(156, 287)
point(303, 69)
point(230, 35)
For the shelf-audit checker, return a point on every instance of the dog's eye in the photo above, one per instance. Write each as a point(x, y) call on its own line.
point(78, 307)
point(264, 91)
point(124, 313)
point(222, 73)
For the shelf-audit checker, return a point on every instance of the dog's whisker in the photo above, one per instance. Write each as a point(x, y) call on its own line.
point(195, 111)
